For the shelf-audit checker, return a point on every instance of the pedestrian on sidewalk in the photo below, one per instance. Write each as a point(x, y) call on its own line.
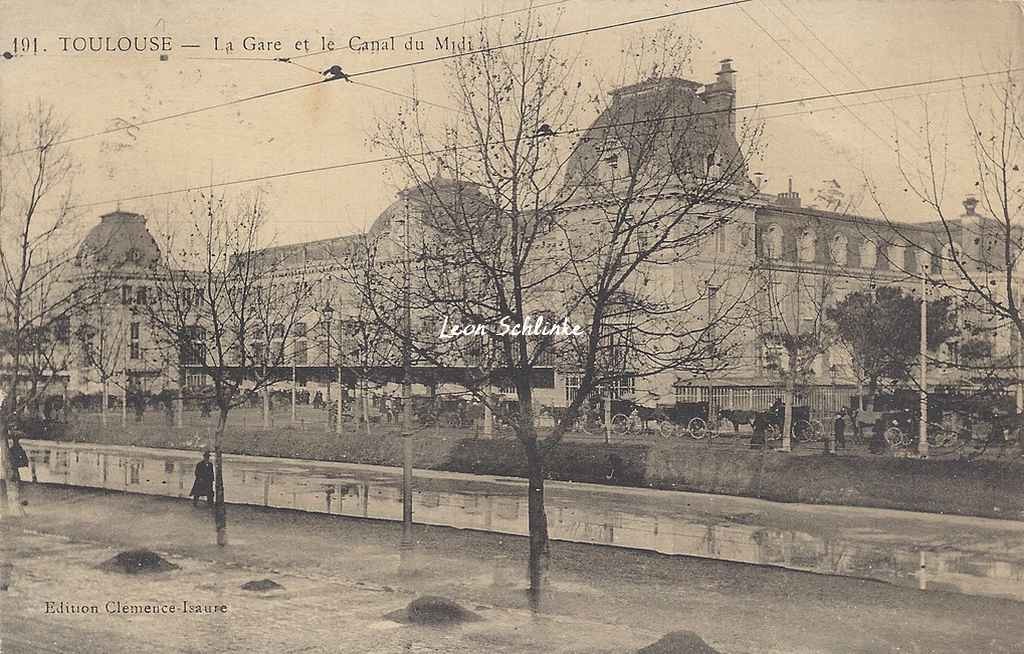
point(839, 430)
point(203, 486)
point(19, 459)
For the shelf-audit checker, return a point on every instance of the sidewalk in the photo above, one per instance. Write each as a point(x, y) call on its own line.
point(342, 575)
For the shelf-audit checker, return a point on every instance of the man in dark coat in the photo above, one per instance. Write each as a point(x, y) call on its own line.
point(19, 459)
point(203, 486)
point(757, 434)
point(839, 429)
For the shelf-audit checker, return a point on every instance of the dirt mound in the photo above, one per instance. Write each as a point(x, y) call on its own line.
point(433, 610)
point(262, 585)
point(679, 642)
point(138, 562)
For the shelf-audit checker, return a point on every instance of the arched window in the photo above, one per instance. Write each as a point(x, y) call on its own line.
point(837, 249)
point(951, 254)
point(868, 254)
point(807, 245)
point(772, 242)
point(922, 260)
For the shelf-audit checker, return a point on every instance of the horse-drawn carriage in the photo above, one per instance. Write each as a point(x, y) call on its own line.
point(955, 419)
point(453, 412)
point(806, 428)
point(628, 417)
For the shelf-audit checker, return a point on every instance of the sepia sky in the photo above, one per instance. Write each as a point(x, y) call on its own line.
point(781, 49)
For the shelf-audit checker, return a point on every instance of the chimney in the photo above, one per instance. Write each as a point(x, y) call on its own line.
point(720, 95)
point(970, 202)
point(790, 199)
point(726, 75)
point(972, 231)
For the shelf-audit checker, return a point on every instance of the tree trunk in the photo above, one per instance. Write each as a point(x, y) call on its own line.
point(538, 521)
point(9, 497)
point(787, 421)
point(220, 514)
point(103, 405)
point(366, 410)
point(266, 406)
point(179, 405)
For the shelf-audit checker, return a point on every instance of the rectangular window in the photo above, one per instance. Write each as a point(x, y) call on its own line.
point(712, 331)
point(301, 356)
point(62, 330)
point(135, 341)
point(572, 387)
point(193, 346)
point(126, 294)
point(140, 295)
point(643, 235)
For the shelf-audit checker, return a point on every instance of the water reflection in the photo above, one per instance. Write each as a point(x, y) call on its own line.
point(467, 504)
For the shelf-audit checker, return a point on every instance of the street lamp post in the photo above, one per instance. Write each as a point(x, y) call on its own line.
point(407, 450)
point(922, 427)
point(328, 314)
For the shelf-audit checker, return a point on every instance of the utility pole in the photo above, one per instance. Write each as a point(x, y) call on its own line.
point(1019, 354)
point(607, 415)
point(124, 392)
point(326, 314)
point(293, 388)
point(341, 398)
point(922, 428)
point(407, 453)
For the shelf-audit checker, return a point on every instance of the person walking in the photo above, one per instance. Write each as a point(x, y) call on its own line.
point(203, 486)
point(19, 459)
point(839, 430)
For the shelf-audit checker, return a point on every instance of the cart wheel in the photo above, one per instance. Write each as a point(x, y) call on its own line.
point(697, 428)
point(895, 437)
point(620, 424)
point(772, 433)
point(667, 428)
point(802, 431)
point(817, 430)
point(653, 424)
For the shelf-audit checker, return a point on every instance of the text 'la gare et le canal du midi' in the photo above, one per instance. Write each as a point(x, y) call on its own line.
point(163, 44)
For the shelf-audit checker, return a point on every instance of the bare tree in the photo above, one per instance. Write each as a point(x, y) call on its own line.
point(973, 256)
point(794, 306)
point(38, 287)
point(606, 233)
point(100, 332)
point(222, 304)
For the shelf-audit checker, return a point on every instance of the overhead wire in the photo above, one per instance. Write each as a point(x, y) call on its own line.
point(561, 133)
point(373, 71)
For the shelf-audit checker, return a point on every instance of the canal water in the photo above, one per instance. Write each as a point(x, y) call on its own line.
point(605, 518)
